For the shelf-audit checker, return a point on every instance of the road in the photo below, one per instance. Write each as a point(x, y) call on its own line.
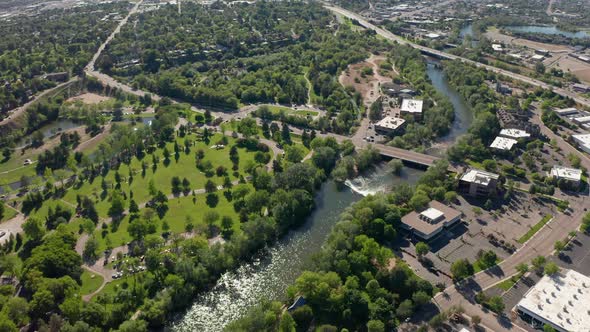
point(16, 113)
point(390, 36)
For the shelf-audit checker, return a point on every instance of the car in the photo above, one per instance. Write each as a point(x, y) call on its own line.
point(2, 233)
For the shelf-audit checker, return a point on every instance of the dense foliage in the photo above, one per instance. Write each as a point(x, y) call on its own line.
point(52, 42)
point(221, 56)
point(356, 283)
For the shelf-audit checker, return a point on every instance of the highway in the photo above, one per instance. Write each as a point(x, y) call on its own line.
point(390, 36)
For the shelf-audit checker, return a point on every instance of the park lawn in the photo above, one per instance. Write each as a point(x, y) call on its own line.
point(14, 174)
point(41, 213)
point(277, 109)
point(182, 207)
point(90, 282)
point(178, 210)
point(306, 113)
point(185, 167)
point(9, 213)
point(534, 229)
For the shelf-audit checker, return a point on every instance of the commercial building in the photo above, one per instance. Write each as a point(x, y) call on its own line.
point(503, 144)
point(515, 133)
point(412, 107)
point(537, 57)
point(581, 88)
point(478, 183)
point(389, 125)
point(430, 222)
point(582, 120)
point(566, 111)
point(570, 175)
point(561, 300)
point(583, 142)
point(497, 48)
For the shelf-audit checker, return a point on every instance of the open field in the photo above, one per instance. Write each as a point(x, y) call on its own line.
point(365, 77)
point(495, 34)
point(90, 98)
point(184, 168)
point(90, 282)
point(579, 68)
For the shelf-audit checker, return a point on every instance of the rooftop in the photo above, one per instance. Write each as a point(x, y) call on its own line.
point(503, 143)
point(390, 122)
point(514, 133)
point(562, 299)
point(479, 177)
point(412, 105)
point(566, 111)
point(431, 220)
point(432, 214)
point(566, 173)
point(583, 139)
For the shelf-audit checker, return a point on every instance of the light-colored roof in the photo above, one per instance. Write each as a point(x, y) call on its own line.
point(566, 173)
point(562, 299)
point(414, 221)
point(497, 47)
point(514, 133)
point(479, 176)
point(582, 119)
point(432, 213)
point(582, 138)
point(566, 111)
point(390, 122)
point(432, 35)
point(412, 105)
point(503, 143)
point(537, 57)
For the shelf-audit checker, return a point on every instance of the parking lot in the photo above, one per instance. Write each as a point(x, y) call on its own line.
point(506, 223)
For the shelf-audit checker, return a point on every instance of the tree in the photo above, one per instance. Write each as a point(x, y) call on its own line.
point(294, 153)
point(522, 268)
point(551, 268)
point(286, 134)
point(91, 249)
point(539, 263)
point(475, 320)
point(210, 187)
point(117, 206)
point(375, 326)
point(461, 269)
point(559, 246)
point(34, 228)
point(287, 323)
point(2, 210)
point(17, 310)
point(324, 158)
point(248, 127)
point(421, 249)
point(548, 328)
point(405, 309)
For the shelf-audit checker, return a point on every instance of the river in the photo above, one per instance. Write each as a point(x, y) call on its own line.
point(273, 271)
point(463, 115)
point(549, 30)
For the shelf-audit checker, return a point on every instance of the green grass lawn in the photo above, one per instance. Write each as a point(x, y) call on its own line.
point(508, 283)
point(9, 213)
point(305, 113)
point(534, 229)
point(90, 282)
point(184, 167)
point(179, 209)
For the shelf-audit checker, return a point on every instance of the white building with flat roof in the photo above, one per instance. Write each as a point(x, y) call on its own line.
point(567, 111)
point(412, 107)
point(503, 143)
point(514, 133)
point(583, 142)
point(497, 48)
point(478, 183)
point(582, 119)
point(561, 300)
point(389, 124)
point(571, 175)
